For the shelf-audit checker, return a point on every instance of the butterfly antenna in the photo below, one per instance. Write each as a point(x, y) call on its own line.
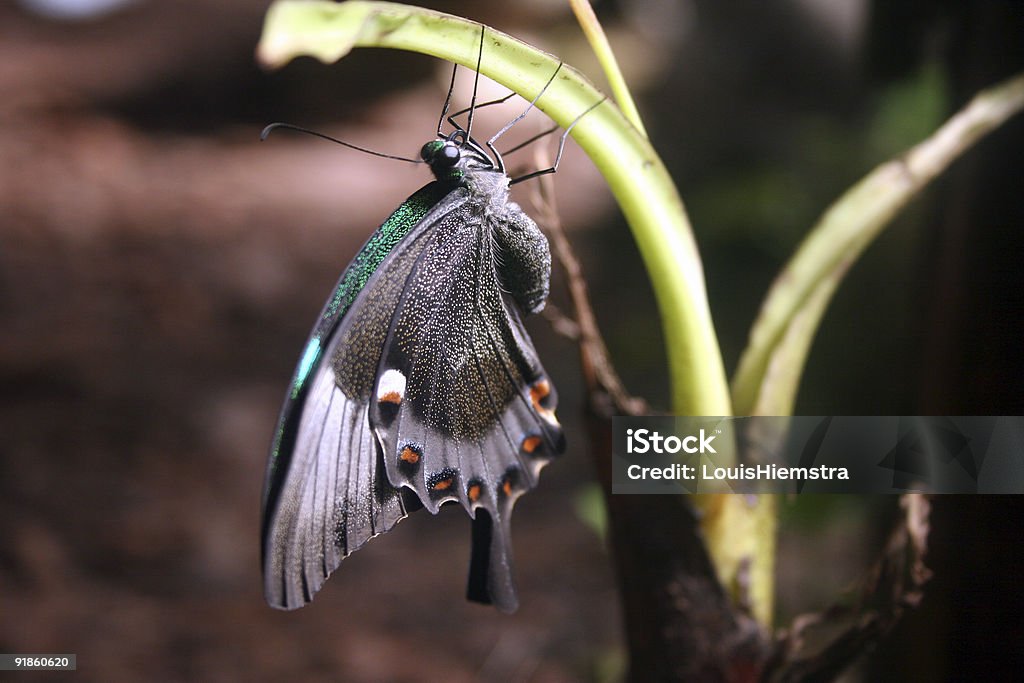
point(561, 146)
point(476, 83)
point(299, 129)
point(447, 103)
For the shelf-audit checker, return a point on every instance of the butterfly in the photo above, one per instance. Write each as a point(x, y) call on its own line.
point(419, 384)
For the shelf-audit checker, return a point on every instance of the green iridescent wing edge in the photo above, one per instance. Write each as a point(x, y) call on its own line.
point(352, 281)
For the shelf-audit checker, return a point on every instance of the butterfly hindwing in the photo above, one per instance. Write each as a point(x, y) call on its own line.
point(454, 408)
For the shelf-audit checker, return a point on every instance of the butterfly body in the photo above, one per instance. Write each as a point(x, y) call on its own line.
point(418, 386)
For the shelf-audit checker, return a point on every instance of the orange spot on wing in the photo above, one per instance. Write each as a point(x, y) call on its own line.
point(442, 485)
point(532, 443)
point(507, 487)
point(538, 392)
point(473, 493)
point(391, 397)
point(409, 455)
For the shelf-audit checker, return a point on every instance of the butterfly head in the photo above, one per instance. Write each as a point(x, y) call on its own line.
point(453, 156)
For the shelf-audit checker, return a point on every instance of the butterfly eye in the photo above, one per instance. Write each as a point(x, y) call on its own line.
point(448, 155)
point(438, 153)
point(428, 150)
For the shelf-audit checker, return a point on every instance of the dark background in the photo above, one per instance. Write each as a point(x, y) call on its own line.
point(159, 270)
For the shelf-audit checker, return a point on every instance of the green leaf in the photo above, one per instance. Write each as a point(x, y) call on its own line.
point(770, 367)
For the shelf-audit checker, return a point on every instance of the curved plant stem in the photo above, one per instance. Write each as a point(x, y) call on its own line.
point(739, 531)
point(770, 368)
point(739, 537)
point(603, 50)
point(634, 172)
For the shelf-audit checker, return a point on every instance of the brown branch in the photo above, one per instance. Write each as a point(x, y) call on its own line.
point(598, 373)
point(817, 647)
point(679, 622)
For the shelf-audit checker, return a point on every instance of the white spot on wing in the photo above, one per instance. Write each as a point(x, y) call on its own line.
point(391, 387)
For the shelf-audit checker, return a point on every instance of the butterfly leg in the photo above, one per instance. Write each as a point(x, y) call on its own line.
point(561, 147)
point(491, 103)
point(505, 129)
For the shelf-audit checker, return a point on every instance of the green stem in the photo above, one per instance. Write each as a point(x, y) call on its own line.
point(770, 368)
point(606, 57)
point(738, 535)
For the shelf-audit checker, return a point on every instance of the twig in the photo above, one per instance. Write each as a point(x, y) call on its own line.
point(561, 323)
point(680, 623)
point(598, 373)
point(817, 647)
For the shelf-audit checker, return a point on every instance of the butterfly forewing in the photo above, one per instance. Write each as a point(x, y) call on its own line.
point(326, 493)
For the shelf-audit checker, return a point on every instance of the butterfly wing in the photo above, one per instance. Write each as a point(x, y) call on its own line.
point(326, 493)
point(462, 407)
point(419, 387)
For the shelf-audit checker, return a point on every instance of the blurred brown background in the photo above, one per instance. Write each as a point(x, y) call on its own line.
point(160, 269)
